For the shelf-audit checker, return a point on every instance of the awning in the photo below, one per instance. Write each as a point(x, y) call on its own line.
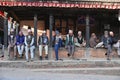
point(62, 5)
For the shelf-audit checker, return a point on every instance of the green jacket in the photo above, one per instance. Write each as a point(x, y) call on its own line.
point(68, 40)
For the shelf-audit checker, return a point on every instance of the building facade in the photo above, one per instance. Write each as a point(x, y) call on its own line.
point(85, 15)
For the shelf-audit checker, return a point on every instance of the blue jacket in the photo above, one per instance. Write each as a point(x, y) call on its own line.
point(20, 39)
point(104, 40)
point(54, 39)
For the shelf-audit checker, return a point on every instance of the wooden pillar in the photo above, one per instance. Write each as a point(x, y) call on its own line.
point(74, 30)
point(46, 22)
point(54, 27)
point(67, 27)
point(5, 53)
point(60, 25)
point(87, 36)
point(35, 29)
point(51, 19)
point(17, 28)
point(5, 32)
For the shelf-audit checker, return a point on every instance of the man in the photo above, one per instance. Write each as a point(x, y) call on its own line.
point(43, 43)
point(103, 42)
point(70, 43)
point(111, 40)
point(20, 43)
point(93, 40)
point(80, 40)
point(105, 38)
point(117, 46)
point(11, 43)
point(29, 45)
point(56, 41)
point(10, 24)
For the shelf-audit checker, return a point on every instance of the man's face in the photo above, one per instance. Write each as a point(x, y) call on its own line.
point(20, 33)
point(70, 34)
point(93, 35)
point(29, 33)
point(111, 34)
point(79, 34)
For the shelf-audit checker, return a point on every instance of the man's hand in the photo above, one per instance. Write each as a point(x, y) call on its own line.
point(11, 45)
point(43, 45)
point(28, 45)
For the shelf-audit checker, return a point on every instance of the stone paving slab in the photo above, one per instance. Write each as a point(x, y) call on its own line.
point(29, 74)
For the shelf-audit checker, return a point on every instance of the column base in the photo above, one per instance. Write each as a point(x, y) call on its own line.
point(50, 55)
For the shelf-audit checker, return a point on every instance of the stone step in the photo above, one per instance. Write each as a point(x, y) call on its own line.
point(83, 63)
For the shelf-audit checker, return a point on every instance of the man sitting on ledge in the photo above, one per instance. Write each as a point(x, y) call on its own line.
point(11, 44)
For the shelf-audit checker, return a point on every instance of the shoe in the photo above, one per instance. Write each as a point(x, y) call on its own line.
point(8, 56)
point(56, 59)
point(105, 53)
point(61, 59)
point(118, 56)
point(20, 55)
point(68, 55)
point(40, 57)
point(27, 60)
point(46, 57)
point(2, 56)
point(31, 60)
point(15, 58)
point(108, 59)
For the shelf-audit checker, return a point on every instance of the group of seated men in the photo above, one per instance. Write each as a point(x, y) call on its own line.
point(108, 41)
point(21, 42)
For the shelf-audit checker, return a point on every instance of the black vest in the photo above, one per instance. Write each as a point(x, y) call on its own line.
point(80, 40)
point(29, 40)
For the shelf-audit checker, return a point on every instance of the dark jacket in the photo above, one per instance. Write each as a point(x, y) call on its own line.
point(54, 41)
point(104, 40)
point(112, 40)
point(68, 42)
point(20, 39)
point(12, 40)
point(43, 40)
point(80, 41)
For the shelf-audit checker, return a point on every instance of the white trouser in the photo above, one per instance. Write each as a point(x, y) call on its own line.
point(10, 49)
point(41, 49)
point(118, 51)
point(117, 45)
point(20, 49)
point(31, 52)
point(100, 44)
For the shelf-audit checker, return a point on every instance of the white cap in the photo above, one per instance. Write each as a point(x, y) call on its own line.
point(44, 32)
point(11, 18)
point(29, 30)
point(111, 33)
point(12, 30)
point(79, 32)
point(70, 31)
